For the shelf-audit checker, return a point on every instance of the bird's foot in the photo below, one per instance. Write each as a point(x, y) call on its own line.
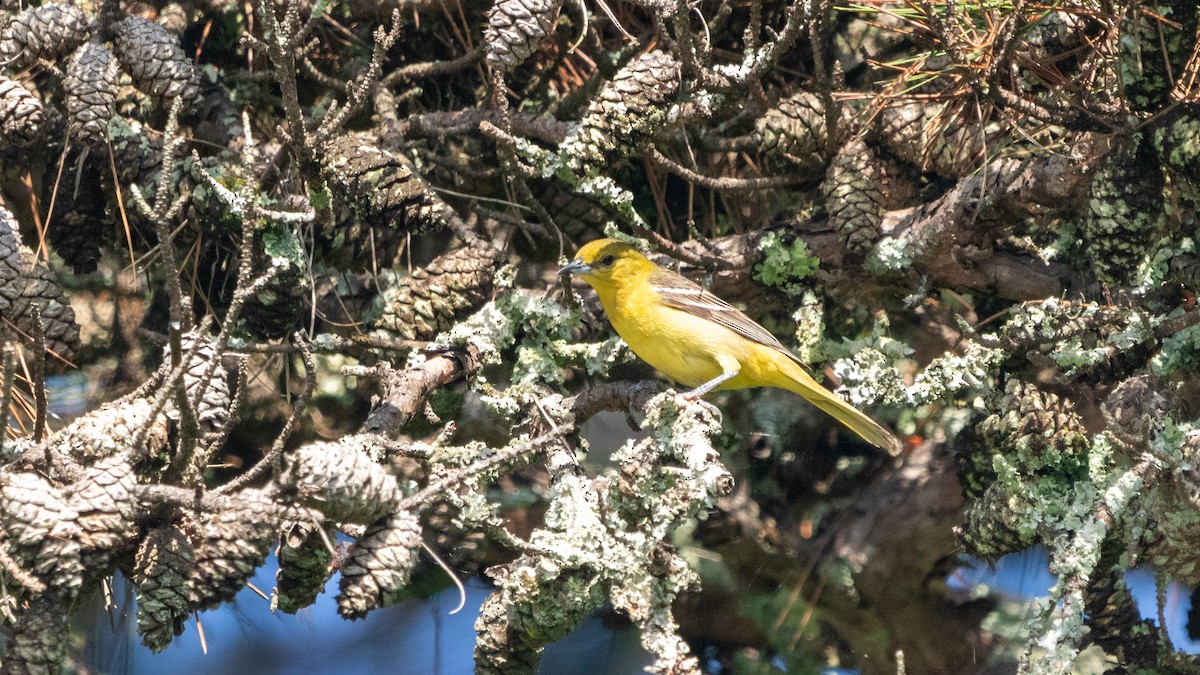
point(692, 397)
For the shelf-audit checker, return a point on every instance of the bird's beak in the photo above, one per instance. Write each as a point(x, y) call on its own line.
point(576, 266)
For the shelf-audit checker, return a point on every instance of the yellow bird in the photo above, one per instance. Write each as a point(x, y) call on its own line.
point(698, 339)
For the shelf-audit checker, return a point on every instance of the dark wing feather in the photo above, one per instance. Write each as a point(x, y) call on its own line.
point(681, 293)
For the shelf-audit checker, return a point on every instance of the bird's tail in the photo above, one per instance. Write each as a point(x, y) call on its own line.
point(802, 383)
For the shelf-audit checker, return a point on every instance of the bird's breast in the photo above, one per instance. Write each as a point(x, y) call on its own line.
point(679, 344)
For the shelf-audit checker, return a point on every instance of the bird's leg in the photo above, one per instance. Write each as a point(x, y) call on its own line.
point(711, 384)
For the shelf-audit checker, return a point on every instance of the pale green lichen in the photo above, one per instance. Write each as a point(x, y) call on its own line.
point(1075, 553)
point(593, 182)
point(1054, 483)
point(1136, 330)
point(1126, 212)
point(598, 357)
point(865, 366)
point(1078, 336)
point(1100, 459)
point(602, 537)
point(1083, 350)
point(537, 327)
point(1044, 319)
point(1171, 437)
point(784, 265)
point(612, 231)
point(321, 342)
point(1170, 547)
point(869, 375)
point(532, 334)
point(1062, 244)
point(1179, 351)
point(810, 327)
point(1153, 270)
point(448, 457)
point(1072, 355)
point(611, 194)
point(839, 572)
point(889, 255)
point(282, 243)
point(1144, 41)
point(11, 449)
point(954, 374)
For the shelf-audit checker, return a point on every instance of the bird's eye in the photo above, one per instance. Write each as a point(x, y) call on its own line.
point(608, 260)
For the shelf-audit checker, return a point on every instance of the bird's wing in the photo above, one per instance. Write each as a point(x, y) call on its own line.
point(681, 293)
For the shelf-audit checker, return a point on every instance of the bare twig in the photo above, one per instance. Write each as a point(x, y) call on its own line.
point(38, 373)
point(425, 496)
point(10, 374)
point(415, 71)
point(719, 182)
point(14, 570)
point(360, 92)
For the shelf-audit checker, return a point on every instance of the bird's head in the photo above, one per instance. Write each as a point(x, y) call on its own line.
point(608, 262)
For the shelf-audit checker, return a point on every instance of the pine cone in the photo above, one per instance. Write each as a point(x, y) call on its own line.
point(900, 182)
point(22, 116)
point(514, 30)
point(41, 288)
point(175, 18)
point(1146, 84)
point(229, 546)
point(79, 228)
point(380, 186)
point(42, 531)
point(1135, 408)
point(1125, 213)
point(1173, 146)
point(45, 32)
point(155, 61)
point(10, 257)
point(580, 216)
point(215, 118)
point(91, 92)
point(39, 639)
point(504, 646)
point(305, 564)
point(209, 392)
point(379, 564)
point(340, 481)
point(462, 550)
point(1037, 430)
point(26, 282)
point(530, 608)
point(854, 197)
point(993, 525)
point(630, 108)
point(163, 565)
point(439, 294)
point(1170, 537)
point(1059, 32)
point(136, 154)
point(342, 298)
point(919, 134)
point(112, 429)
point(796, 129)
point(105, 501)
point(282, 307)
